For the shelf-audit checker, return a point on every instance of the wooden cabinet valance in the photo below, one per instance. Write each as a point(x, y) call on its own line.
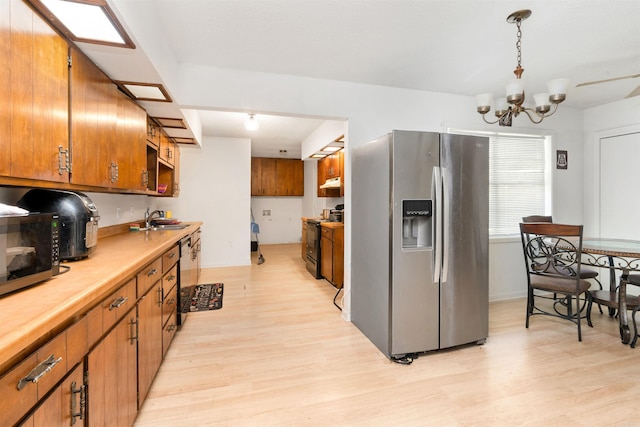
point(277, 177)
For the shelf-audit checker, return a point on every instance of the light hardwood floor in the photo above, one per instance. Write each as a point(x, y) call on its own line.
point(279, 354)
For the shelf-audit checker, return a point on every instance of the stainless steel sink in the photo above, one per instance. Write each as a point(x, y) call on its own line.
point(168, 227)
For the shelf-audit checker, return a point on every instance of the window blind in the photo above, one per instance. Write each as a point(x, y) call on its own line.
point(517, 181)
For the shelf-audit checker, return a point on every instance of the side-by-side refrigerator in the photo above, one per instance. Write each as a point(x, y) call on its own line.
point(420, 243)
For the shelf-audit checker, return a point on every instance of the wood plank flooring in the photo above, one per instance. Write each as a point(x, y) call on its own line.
point(279, 354)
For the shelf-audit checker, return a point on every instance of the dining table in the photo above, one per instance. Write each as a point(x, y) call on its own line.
point(616, 255)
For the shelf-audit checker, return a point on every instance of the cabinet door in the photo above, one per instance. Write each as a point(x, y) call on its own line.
point(176, 172)
point(149, 338)
point(290, 181)
point(263, 176)
point(39, 96)
point(63, 407)
point(166, 152)
point(304, 240)
point(112, 377)
point(5, 86)
point(326, 260)
point(131, 145)
point(94, 121)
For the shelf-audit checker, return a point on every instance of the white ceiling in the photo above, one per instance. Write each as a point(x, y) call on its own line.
point(454, 46)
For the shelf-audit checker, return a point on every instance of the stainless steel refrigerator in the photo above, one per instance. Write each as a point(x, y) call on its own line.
point(419, 259)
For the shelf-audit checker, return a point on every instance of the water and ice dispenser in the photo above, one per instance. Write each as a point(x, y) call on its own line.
point(417, 224)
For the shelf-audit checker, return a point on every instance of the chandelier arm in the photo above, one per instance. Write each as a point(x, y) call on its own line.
point(487, 121)
point(526, 111)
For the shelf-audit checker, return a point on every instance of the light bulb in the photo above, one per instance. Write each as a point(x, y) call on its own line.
point(251, 123)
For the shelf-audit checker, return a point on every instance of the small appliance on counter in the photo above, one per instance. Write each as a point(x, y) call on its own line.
point(336, 214)
point(78, 219)
point(28, 250)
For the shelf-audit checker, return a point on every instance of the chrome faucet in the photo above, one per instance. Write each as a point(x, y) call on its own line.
point(148, 216)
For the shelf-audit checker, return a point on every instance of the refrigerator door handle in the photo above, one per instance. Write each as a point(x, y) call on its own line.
point(446, 227)
point(436, 195)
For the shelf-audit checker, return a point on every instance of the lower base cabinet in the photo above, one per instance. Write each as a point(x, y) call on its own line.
point(64, 406)
point(149, 339)
point(111, 376)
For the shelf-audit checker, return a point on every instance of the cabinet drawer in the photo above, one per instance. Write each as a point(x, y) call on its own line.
point(118, 304)
point(170, 303)
point(170, 258)
point(327, 232)
point(30, 380)
point(149, 276)
point(77, 341)
point(14, 402)
point(169, 331)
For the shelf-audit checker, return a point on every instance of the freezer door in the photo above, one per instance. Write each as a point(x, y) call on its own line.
point(464, 294)
point(414, 295)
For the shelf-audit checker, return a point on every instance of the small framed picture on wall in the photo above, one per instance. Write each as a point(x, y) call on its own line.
point(562, 161)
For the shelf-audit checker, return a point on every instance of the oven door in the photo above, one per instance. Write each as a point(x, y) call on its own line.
point(313, 249)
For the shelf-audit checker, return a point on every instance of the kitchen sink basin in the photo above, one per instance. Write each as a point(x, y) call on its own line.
point(168, 227)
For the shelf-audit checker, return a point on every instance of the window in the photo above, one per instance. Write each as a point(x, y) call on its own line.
point(519, 181)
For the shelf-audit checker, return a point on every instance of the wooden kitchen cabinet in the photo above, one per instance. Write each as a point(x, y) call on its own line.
point(63, 407)
point(166, 150)
point(332, 253)
point(107, 139)
point(263, 176)
point(112, 376)
point(149, 338)
point(35, 96)
point(329, 167)
point(304, 240)
point(277, 177)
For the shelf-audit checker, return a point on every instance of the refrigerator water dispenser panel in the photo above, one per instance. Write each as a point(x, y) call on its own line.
point(417, 224)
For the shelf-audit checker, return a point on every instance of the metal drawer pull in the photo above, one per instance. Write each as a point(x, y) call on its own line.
point(83, 402)
point(171, 301)
point(117, 303)
point(172, 255)
point(171, 327)
point(152, 272)
point(171, 278)
point(39, 371)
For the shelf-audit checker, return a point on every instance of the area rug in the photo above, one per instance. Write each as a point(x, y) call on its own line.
point(201, 297)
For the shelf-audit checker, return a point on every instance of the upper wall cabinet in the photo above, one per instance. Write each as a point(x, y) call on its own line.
point(331, 167)
point(107, 135)
point(35, 96)
point(277, 177)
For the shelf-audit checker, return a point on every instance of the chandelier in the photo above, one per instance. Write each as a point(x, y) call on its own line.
point(511, 106)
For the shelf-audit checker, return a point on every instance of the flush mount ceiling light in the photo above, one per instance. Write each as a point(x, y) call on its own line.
point(145, 91)
point(87, 21)
point(251, 123)
point(511, 106)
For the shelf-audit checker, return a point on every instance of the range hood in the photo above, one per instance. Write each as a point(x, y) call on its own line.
point(331, 183)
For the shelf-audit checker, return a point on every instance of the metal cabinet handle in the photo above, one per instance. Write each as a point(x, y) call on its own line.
point(117, 303)
point(83, 402)
point(133, 324)
point(172, 255)
point(171, 301)
point(39, 371)
point(171, 278)
point(160, 296)
point(152, 272)
point(171, 327)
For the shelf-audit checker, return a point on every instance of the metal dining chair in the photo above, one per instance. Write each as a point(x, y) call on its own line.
point(552, 254)
point(633, 303)
point(585, 273)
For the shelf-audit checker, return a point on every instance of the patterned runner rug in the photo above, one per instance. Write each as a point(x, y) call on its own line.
point(201, 297)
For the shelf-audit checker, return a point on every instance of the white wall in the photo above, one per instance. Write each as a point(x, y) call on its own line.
point(215, 184)
point(281, 224)
point(613, 119)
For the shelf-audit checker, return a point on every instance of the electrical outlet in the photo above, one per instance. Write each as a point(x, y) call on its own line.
point(118, 213)
point(266, 212)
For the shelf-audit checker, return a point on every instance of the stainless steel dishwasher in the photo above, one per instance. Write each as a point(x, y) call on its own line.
point(184, 278)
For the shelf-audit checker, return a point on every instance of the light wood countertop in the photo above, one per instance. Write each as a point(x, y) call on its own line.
point(31, 316)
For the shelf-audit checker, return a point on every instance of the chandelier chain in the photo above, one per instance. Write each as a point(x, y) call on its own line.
point(519, 43)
